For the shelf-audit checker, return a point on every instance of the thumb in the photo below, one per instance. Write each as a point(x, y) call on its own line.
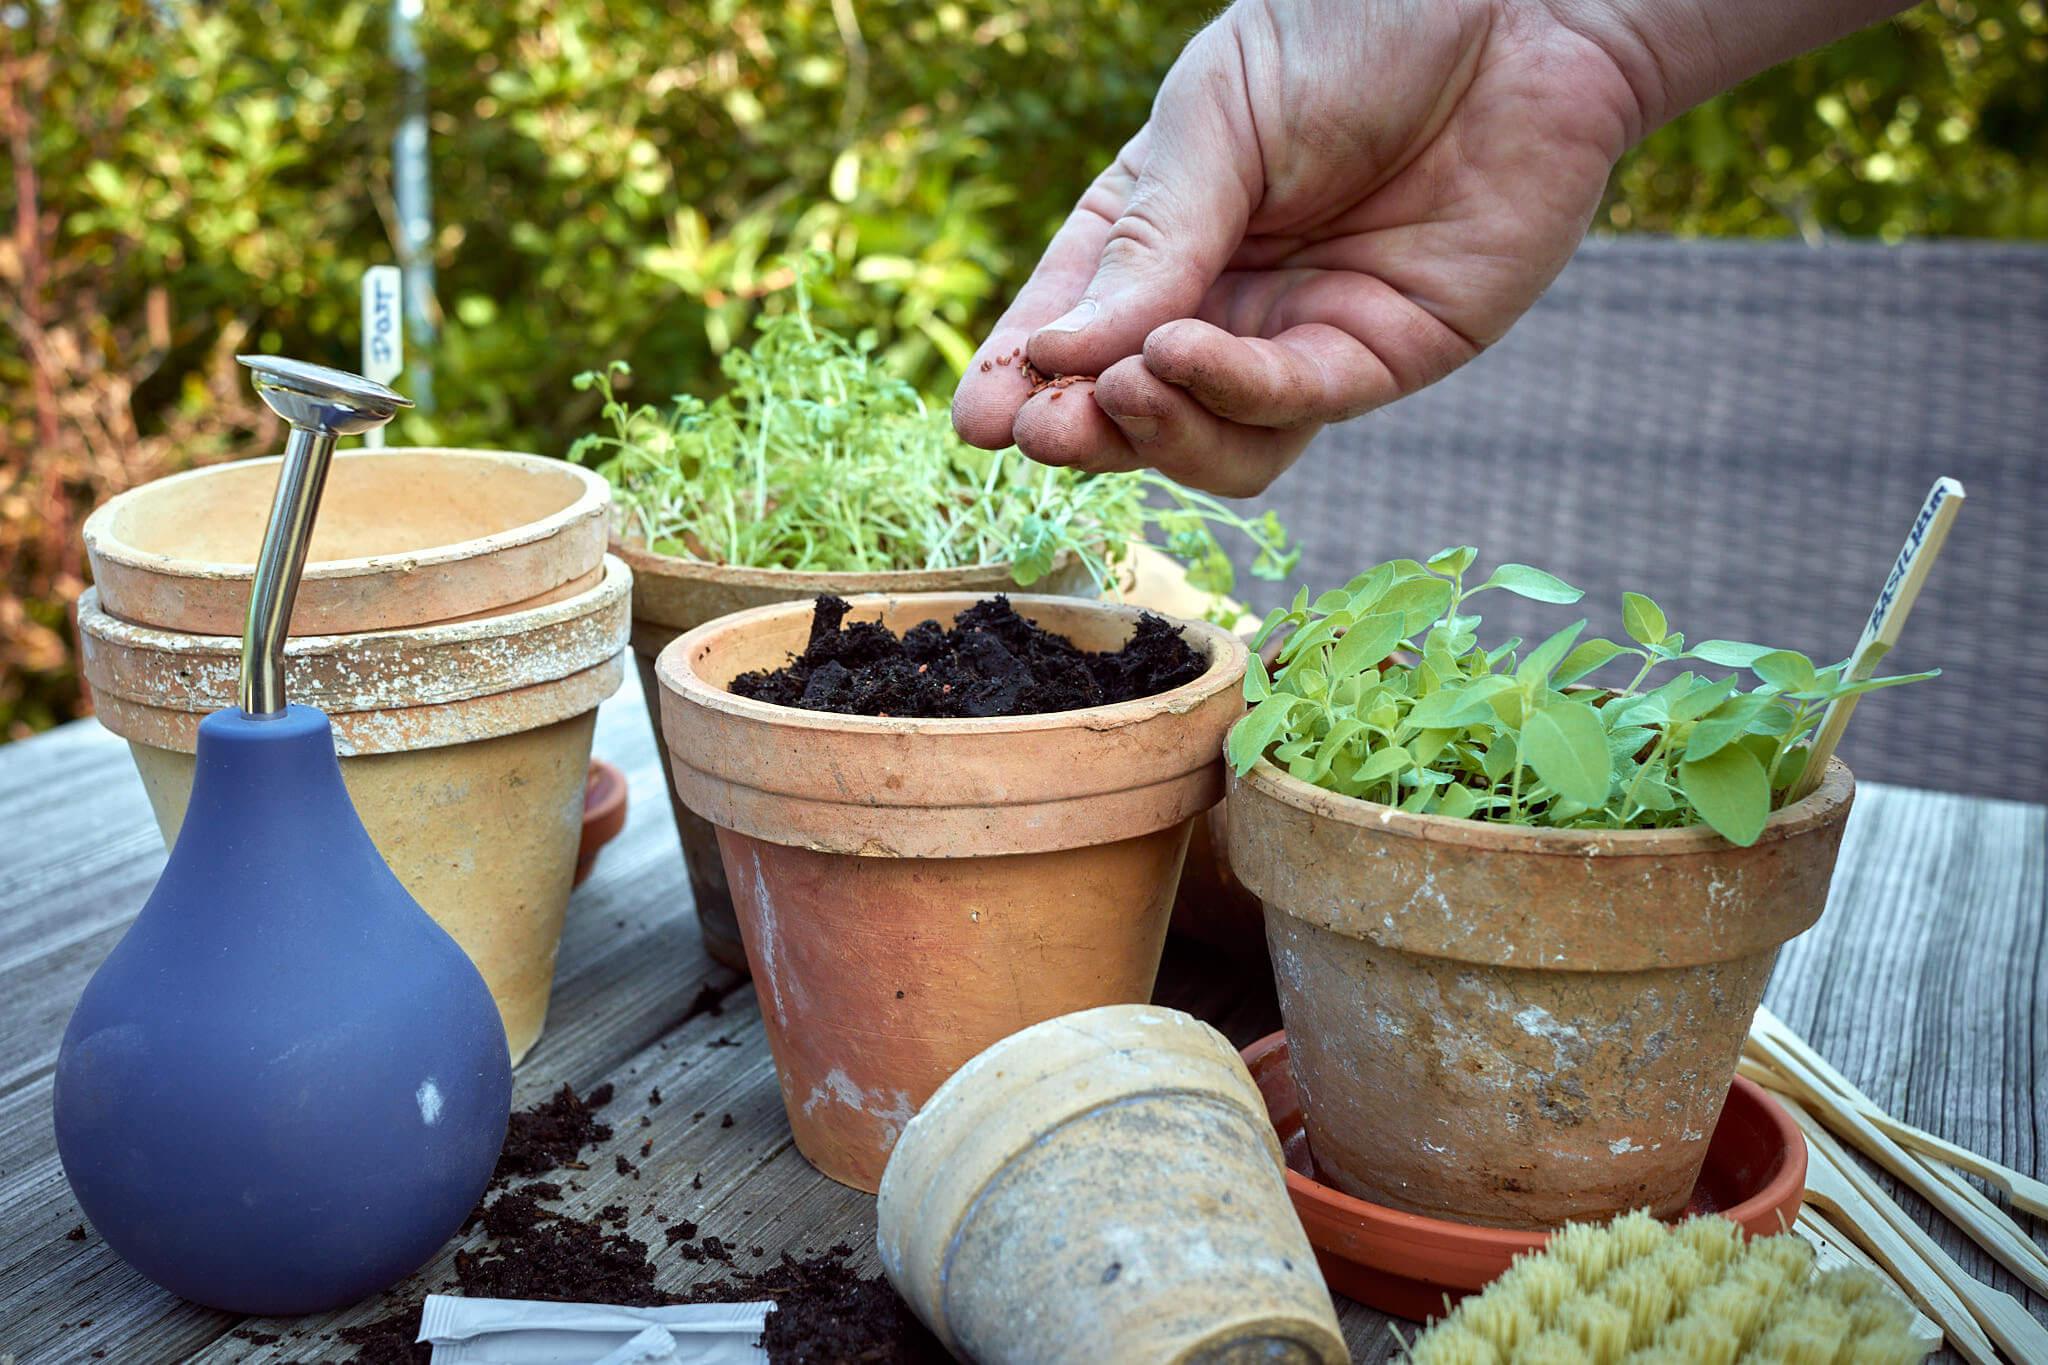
point(1185, 216)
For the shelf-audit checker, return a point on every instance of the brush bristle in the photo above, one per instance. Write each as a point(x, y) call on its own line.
point(1637, 1292)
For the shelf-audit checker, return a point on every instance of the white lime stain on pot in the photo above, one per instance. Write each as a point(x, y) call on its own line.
point(771, 945)
point(841, 1088)
point(1622, 1146)
point(428, 1096)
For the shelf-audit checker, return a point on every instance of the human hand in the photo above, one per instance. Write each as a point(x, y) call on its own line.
point(1333, 204)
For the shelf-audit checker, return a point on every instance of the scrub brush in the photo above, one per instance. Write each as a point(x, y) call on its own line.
point(1639, 1292)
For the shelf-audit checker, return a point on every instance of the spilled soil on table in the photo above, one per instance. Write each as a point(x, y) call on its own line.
point(825, 1310)
point(992, 662)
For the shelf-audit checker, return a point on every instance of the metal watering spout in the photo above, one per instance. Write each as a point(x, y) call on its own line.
point(287, 1086)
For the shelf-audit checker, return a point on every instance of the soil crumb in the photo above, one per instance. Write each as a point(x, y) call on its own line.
point(552, 1133)
point(992, 662)
point(826, 1313)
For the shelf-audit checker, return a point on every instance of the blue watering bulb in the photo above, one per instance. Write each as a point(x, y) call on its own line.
point(287, 1086)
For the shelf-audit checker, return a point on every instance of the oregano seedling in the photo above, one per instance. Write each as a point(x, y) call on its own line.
point(1383, 691)
point(817, 458)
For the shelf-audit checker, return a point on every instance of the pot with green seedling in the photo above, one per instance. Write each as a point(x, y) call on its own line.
point(1522, 900)
point(818, 472)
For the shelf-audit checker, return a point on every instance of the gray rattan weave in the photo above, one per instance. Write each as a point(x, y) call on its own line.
point(1743, 431)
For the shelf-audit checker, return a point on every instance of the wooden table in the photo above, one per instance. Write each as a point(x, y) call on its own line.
point(1927, 982)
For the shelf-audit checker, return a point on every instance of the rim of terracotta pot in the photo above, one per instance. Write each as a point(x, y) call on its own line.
point(810, 582)
point(384, 691)
point(902, 787)
point(1837, 787)
point(123, 570)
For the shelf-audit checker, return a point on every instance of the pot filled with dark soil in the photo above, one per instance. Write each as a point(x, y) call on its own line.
point(674, 595)
point(943, 818)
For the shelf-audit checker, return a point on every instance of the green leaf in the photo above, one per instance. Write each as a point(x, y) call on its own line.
point(1458, 705)
point(1536, 666)
point(1257, 685)
point(1729, 653)
point(1453, 561)
point(1730, 792)
point(1251, 736)
point(1643, 619)
point(1365, 643)
point(1786, 669)
point(1383, 763)
point(1857, 689)
point(1458, 803)
point(1699, 700)
point(1726, 723)
point(1566, 745)
point(1587, 657)
point(1534, 584)
point(1421, 600)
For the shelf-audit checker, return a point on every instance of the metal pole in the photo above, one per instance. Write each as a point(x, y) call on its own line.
point(413, 185)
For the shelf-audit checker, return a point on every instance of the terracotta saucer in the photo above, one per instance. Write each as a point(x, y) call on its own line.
point(604, 813)
point(1407, 1264)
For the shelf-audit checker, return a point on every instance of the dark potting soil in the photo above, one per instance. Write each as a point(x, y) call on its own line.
point(826, 1312)
point(552, 1133)
point(992, 662)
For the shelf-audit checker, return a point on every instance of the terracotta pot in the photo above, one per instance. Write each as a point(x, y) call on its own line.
point(674, 595)
point(910, 891)
point(1512, 1026)
point(604, 814)
point(406, 537)
point(465, 747)
point(1105, 1187)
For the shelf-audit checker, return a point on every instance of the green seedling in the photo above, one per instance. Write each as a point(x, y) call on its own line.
point(817, 458)
point(1383, 691)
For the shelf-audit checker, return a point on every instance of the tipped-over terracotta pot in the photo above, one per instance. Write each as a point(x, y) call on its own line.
point(672, 596)
point(465, 747)
point(1104, 1186)
point(909, 891)
point(406, 537)
point(1515, 1026)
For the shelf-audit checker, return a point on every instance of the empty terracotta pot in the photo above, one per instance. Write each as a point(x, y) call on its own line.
point(406, 537)
point(1104, 1186)
point(465, 747)
point(909, 891)
point(673, 595)
point(1513, 1026)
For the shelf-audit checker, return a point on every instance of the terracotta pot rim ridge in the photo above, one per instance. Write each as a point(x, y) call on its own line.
point(1828, 802)
point(591, 501)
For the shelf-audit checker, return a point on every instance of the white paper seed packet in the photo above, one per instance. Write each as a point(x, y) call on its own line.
point(467, 1331)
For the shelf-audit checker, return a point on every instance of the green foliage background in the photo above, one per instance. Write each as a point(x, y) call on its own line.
point(614, 179)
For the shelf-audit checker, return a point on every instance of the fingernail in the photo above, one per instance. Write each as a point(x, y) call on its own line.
point(1137, 428)
point(1074, 319)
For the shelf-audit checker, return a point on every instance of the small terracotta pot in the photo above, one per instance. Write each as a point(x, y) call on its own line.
point(465, 747)
point(1517, 1027)
point(1103, 1186)
point(604, 814)
point(673, 595)
point(909, 891)
point(406, 537)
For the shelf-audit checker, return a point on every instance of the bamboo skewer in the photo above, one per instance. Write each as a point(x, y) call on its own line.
point(1887, 619)
point(1923, 1269)
point(2025, 1192)
point(2016, 1253)
point(1834, 1249)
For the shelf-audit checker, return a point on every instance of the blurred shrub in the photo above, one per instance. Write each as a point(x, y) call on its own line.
point(612, 179)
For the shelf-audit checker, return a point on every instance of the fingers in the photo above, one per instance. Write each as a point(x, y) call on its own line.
point(986, 403)
point(1312, 374)
point(1195, 190)
point(1129, 418)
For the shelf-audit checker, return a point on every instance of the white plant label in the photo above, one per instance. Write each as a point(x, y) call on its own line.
point(383, 330)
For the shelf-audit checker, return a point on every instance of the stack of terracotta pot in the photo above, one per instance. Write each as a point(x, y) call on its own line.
point(459, 622)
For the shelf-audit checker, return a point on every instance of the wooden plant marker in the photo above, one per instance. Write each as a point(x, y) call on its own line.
point(2019, 1254)
point(1887, 619)
point(1842, 1188)
point(2025, 1193)
point(1834, 1249)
